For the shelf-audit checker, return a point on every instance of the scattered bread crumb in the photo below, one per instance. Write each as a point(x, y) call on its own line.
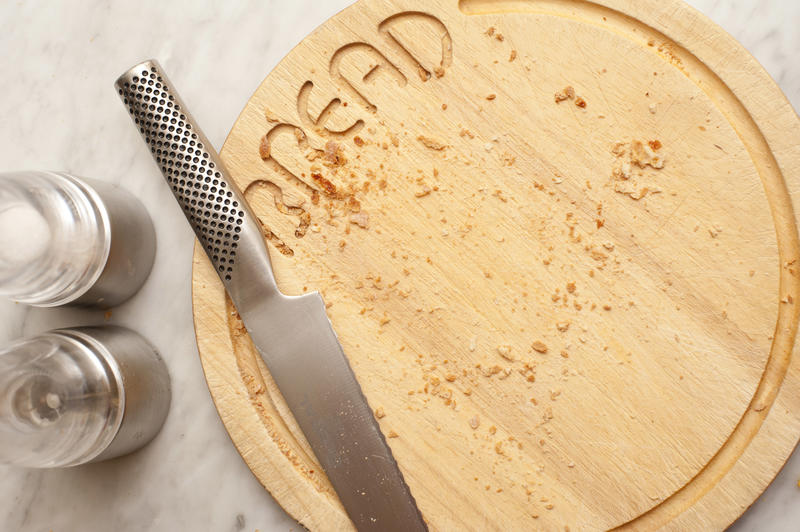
point(505, 352)
point(431, 143)
point(474, 422)
point(539, 346)
point(360, 219)
point(270, 117)
point(379, 413)
point(334, 154)
point(392, 434)
point(513, 56)
point(425, 191)
point(635, 154)
point(567, 94)
point(263, 148)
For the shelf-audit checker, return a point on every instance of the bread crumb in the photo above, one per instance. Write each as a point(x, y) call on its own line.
point(539, 346)
point(438, 72)
point(263, 148)
point(474, 422)
point(638, 154)
point(714, 231)
point(492, 430)
point(597, 255)
point(431, 143)
point(327, 187)
point(358, 141)
point(379, 413)
point(580, 102)
point(491, 97)
point(450, 377)
point(564, 354)
point(563, 326)
point(334, 155)
point(513, 56)
point(360, 219)
point(643, 155)
point(571, 287)
point(392, 434)
point(505, 352)
point(270, 117)
point(567, 94)
point(426, 190)
point(653, 108)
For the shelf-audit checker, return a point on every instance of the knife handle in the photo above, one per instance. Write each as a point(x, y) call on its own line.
point(220, 217)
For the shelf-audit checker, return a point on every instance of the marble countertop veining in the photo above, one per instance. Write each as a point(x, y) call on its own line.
point(59, 111)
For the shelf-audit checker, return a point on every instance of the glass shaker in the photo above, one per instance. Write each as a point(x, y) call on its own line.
point(79, 395)
point(68, 240)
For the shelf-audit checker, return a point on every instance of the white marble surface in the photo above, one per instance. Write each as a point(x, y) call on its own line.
point(59, 111)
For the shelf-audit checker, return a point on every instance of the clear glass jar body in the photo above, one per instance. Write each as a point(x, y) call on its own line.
point(66, 240)
point(72, 396)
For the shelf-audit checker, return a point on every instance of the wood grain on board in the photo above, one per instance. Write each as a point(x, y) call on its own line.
point(557, 242)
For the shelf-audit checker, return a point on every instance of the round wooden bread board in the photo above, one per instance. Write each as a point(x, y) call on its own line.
point(557, 242)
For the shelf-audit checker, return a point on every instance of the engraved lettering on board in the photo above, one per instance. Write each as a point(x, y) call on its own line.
point(349, 72)
point(417, 43)
point(429, 51)
point(319, 124)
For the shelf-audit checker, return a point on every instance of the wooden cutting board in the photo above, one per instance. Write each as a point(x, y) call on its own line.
point(557, 241)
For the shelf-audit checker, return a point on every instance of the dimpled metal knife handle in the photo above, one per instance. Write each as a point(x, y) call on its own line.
point(293, 334)
point(224, 225)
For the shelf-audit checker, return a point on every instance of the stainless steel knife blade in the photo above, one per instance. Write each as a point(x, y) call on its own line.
point(293, 334)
